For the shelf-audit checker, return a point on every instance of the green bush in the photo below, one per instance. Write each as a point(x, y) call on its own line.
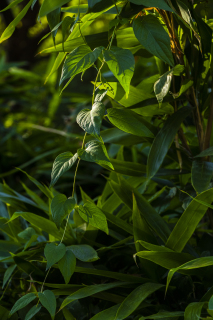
point(135, 240)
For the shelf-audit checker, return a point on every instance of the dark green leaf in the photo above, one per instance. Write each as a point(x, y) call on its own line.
point(62, 163)
point(48, 301)
point(164, 140)
point(23, 302)
point(151, 34)
point(164, 315)
point(50, 5)
point(107, 314)
point(205, 153)
point(84, 252)
point(32, 312)
point(67, 265)
point(161, 4)
point(121, 62)
point(61, 207)
point(54, 253)
point(8, 274)
point(53, 19)
point(90, 120)
point(201, 175)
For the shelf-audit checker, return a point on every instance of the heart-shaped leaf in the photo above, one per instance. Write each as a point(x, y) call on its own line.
point(61, 207)
point(67, 265)
point(90, 120)
point(62, 163)
point(48, 301)
point(54, 253)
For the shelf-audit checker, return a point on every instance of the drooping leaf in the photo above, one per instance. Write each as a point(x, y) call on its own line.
point(84, 252)
point(161, 4)
point(193, 310)
point(54, 253)
point(162, 85)
point(62, 163)
point(188, 221)
point(201, 175)
point(23, 302)
point(129, 121)
point(53, 19)
point(32, 312)
point(134, 299)
point(48, 301)
point(61, 207)
point(11, 5)
point(11, 28)
point(151, 34)
point(79, 60)
point(164, 139)
point(50, 5)
point(8, 274)
point(90, 120)
point(95, 151)
point(93, 215)
point(121, 62)
point(67, 265)
point(90, 290)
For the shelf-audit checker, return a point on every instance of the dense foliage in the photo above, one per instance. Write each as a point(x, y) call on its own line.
point(120, 225)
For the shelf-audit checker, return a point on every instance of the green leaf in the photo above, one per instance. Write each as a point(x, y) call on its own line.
point(94, 216)
point(161, 4)
point(54, 253)
point(134, 299)
point(11, 28)
point(90, 290)
point(90, 120)
point(95, 151)
point(62, 163)
point(164, 139)
point(84, 252)
point(27, 267)
point(107, 314)
point(151, 34)
point(50, 5)
point(23, 302)
point(162, 85)
point(48, 301)
point(67, 265)
point(163, 315)
point(201, 175)
point(32, 312)
point(11, 5)
point(79, 60)
point(129, 121)
point(188, 221)
point(193, 264)
point(206, 153)
point(193, 310)
point(100, 95)
point(53, 19)
point(65, 28)
point(8, 274)
point(67, 314)
point(61, 207)
point(184, 87)
point(121, 62)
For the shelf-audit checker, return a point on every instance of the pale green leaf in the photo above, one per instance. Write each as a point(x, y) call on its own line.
point(162, 85)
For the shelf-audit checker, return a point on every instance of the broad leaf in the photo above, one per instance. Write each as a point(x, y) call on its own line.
point(121, 62)
point(129, 121)
point(95, 151)
point(79, 60)
point(23, 302)
point(151, 34)
point(50, 5)
point(193, 310)
point(32, 312)
point(62, 163)
point(134, 299)
point(161, 4)
point(90, 120)
point(11, 28)
point(164, 139)
point(201, 175)
point(48, 301)
point(94, 216)
point(67, 265)
point(188, 221)
point(84, 252)
point(61, 207)
point(54, 253)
